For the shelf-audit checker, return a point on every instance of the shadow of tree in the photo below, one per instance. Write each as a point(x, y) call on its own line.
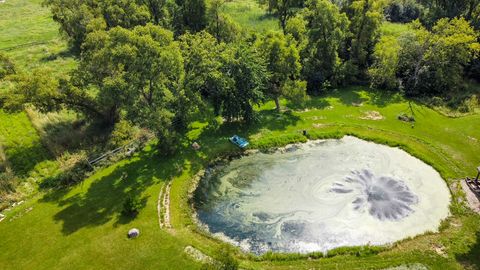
point(382, 98)
point(103, 201)
point(54, 56)
point(349, 96)
point(23, 159)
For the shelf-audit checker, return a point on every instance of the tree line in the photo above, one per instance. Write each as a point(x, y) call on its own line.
point(160, 63)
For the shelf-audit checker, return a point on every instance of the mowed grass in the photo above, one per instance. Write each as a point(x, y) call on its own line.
point(82, 228)
point(250, 15)
point(31, 38)
point(21, 143)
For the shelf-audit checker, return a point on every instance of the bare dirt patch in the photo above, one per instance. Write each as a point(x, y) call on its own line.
point(472, 200)
point(372, 115)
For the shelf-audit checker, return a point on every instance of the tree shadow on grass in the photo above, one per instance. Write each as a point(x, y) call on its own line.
point(349, 96)
point(23, 159)
point(352, 96)
point(104, 198)
point(61, 54)
point(382, 98)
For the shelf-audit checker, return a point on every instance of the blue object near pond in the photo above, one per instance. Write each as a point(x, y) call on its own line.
point(239, 141)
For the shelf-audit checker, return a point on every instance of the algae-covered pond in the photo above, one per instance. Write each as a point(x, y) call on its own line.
point(321, 195)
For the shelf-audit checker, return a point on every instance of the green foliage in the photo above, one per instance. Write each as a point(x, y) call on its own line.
point(283, 62)
point(284, 9)
point(140, 70)
point(7, 67)
point(366, 18)
point(435, 10)
point(356, 251)
point(433, 62)
point(190, 15)
point(297, 27)
point(327, 30)
point(73, 168)
point(221, 26)
point(383, 72)
point(403, 10)
point(249, 77)
point(132, 205)
point(122, 134)
point(224, 260)
point(296, 93)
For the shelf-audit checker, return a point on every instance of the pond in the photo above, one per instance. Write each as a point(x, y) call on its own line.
point(321, 195)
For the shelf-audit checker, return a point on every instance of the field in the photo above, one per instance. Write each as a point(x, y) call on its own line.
point(82, 227)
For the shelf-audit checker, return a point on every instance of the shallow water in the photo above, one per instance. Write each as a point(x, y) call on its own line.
point(321, 195)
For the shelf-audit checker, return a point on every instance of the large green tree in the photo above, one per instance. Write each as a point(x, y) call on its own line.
point(327, 31)
point(366, 19)
point(190, 15)
point(283, 62)
point(141, 68)
point(427, 62)
point(248, 81)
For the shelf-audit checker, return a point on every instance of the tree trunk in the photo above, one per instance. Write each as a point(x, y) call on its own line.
point(277, 104)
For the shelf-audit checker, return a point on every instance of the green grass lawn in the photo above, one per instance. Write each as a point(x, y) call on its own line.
point(82, 228)
point(31, 38)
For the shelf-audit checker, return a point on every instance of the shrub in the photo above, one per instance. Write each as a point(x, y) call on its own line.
point(224, 260)
point(296, 93)
point(131, 205)
point(403, 11)
point(122, 134)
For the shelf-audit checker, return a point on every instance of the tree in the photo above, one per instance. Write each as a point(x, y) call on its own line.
point(432, 63)
point(297, 27)
point(49, 94)
point(283, 62)
point(142, 69)
point(124, 13)
point(246, 84)
point(203, 62)
point(327, 30)
point(190, 15)
point(366, 18)
point(383, 72)
point(73, 17)
point(284, 9)
point(437, 9)
point(221, 26)
point(7, 67)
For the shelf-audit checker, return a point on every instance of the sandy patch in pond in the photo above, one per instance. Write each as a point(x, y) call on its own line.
point(322, 195)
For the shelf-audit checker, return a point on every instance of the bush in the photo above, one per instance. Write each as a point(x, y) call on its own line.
point(224, 260)
point(73, 169)
point(403, 11)
point(122, 134)
point(296, 93)
point(131, 206)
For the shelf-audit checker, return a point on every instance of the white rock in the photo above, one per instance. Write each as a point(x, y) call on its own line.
point(133, 233)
